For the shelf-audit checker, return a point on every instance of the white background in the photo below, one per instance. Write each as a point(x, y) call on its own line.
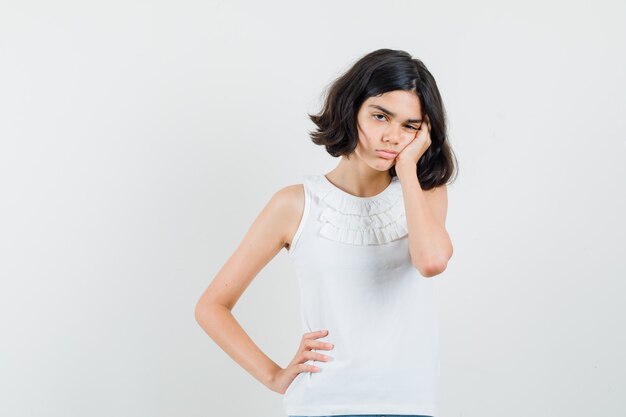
point(139, 140)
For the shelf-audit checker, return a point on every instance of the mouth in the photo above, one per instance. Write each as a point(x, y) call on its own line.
point(386, 154)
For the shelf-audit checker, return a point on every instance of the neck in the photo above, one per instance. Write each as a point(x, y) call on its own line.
point(357, 178)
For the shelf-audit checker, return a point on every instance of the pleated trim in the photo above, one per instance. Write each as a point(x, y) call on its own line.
point(357, 220)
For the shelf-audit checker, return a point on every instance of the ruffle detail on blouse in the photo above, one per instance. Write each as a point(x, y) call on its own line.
point(360, 220)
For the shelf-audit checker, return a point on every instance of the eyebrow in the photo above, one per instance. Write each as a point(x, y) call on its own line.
point(384, 110)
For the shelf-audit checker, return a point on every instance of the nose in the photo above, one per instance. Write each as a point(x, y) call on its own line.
point(393, 133)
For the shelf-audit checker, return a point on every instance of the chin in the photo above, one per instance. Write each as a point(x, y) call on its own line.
point(383, 166)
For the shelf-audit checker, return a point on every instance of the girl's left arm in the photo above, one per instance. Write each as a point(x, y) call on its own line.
point(430, 246)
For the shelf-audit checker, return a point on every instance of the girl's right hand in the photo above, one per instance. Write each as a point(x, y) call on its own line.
point(284, 377)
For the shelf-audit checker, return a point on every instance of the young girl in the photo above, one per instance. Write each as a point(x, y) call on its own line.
point(366, 239)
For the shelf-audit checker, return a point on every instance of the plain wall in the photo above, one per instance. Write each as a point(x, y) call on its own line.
point(139, 140)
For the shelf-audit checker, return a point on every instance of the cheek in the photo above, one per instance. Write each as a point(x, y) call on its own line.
point(366, 143)
point(367, 136)
point(365, 149)
point(408, 137)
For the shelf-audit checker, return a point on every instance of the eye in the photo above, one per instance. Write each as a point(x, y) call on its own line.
point(385, 117)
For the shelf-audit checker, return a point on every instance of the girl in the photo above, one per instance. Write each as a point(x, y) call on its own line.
point(366, 239)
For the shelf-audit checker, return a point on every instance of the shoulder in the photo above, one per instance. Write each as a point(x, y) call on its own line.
point(289, 198)
point(287, 207)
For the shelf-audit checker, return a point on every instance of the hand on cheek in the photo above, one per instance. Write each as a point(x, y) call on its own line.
point(414, 150)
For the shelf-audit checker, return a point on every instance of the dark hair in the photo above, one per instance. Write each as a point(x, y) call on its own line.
point(374, 74)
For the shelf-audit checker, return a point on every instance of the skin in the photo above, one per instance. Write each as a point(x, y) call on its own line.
point(364, 174)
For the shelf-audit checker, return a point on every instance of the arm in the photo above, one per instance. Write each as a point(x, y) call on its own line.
point(429, 243)
point(269, 233)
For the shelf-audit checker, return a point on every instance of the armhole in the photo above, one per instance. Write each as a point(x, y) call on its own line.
point(305, 213)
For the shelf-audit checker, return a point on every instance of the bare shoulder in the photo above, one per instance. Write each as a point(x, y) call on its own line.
point(288, 205)
point(280, 217)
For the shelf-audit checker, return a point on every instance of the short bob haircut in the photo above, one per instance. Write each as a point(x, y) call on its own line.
point(374, 74)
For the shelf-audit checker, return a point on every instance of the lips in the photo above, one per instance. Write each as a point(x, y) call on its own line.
point(386, 154)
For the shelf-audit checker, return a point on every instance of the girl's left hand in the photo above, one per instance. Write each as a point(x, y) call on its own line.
point(416, 148)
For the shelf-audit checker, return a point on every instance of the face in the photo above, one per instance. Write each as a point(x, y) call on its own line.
point(387, 122)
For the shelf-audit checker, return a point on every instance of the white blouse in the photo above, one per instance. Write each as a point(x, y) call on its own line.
point(356, 279)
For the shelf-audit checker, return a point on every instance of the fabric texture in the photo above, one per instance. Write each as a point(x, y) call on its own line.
point(356, 279)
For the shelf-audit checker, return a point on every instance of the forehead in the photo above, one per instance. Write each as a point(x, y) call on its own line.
point(403, 103)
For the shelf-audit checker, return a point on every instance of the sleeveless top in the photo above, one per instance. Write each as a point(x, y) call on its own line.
point(356, 279)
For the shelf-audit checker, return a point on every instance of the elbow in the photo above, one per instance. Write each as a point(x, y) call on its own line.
point(206, 311)
point(431, 269)
point(205, 317)
point(199, 312)
point(202, 312)
point(433, 266)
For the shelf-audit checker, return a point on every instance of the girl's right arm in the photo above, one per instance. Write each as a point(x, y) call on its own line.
point(270, 232)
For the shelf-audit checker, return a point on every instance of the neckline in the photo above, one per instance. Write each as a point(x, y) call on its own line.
point(346, 194)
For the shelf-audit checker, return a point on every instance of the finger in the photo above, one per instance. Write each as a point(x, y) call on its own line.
point(314, 335)
point(308, 368)
point(317, 344)
point(316, 356)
